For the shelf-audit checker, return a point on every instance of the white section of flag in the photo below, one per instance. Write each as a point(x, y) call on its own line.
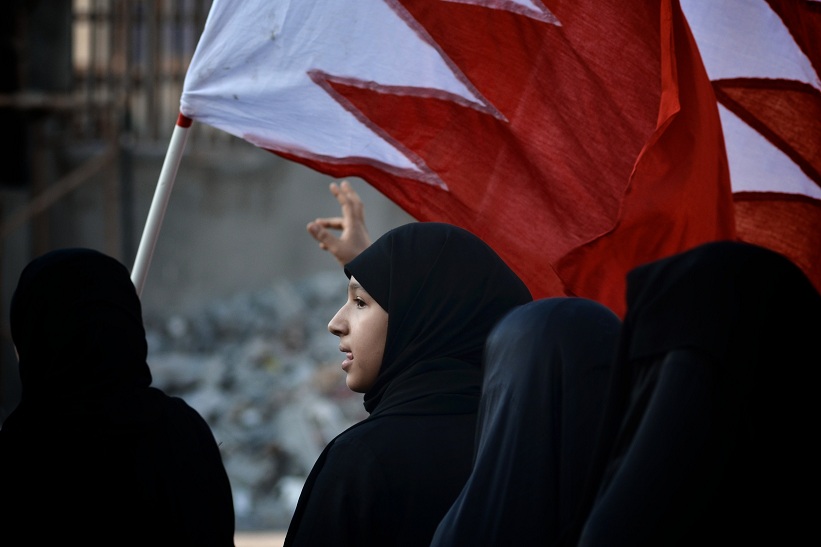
point(250, 73)
point(746, 39)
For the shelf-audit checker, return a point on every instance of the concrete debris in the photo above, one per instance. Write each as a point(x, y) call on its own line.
point(263, 370)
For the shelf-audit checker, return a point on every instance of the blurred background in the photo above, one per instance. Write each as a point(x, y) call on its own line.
point(238, 295)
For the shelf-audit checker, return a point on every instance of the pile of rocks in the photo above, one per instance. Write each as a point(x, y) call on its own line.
point(263, 370)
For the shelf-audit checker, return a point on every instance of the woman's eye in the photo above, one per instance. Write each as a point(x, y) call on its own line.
point(359, 302)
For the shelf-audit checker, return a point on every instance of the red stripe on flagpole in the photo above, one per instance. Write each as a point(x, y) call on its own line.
point(184, 121)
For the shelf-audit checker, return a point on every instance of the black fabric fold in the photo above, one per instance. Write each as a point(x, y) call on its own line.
point(438, 386)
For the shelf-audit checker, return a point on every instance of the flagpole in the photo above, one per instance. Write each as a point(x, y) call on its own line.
point(161, 196)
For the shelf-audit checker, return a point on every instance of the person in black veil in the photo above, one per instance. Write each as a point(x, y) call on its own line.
point(547, 365)
point(421, 302)
point(93, 454)
point(708, 434)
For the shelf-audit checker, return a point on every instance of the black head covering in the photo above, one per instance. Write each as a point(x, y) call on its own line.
point(547, 366)
point(443, 289)
point(84, 304)
point(711, 404)
point(91, 445)
point(722, 298)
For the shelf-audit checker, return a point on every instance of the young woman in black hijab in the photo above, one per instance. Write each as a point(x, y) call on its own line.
point(435, 291)
point(93, 454)
point(708, 438)
point(547, 365)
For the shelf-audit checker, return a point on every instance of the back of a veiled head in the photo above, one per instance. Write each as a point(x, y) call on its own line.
point(729, 331)
point(735, 301)
point(547, 367)
point(443, 288)
point(76, 323)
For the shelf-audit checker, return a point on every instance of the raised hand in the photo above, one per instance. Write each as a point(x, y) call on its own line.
point(353, 237)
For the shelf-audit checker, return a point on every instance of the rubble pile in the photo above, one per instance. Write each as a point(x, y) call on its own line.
point(263, 370)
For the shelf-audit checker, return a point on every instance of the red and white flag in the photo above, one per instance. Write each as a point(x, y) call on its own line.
point(579, 139)
point(764, 59)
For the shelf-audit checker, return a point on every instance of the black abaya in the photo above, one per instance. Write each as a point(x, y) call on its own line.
point(389, 479)
point(93, 455)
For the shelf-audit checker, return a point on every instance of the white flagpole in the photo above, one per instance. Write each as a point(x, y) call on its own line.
point(161, 196)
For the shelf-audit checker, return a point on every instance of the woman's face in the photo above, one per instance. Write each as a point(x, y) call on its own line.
point(362, 327)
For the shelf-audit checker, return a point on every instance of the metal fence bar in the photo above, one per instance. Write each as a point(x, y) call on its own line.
point(131, 57)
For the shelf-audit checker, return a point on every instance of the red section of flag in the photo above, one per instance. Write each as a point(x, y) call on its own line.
point(604, 150)
point(787, 113)
point(787, 223)
point(803, 18)
point(580, 139)
point(680, 193)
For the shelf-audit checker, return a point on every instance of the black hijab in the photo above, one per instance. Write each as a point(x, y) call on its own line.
point(83, 303)
point(92, 449)
point(443, 289)
point(710, 413)
point(745, 307)
point(389, 479)
point(547, 366)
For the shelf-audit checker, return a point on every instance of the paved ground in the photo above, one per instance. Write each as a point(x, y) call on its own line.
point(259, 539)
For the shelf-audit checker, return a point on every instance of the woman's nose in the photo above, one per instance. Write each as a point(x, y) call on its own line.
point(335, 326)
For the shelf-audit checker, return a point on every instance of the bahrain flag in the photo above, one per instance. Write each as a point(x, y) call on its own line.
point(578, 138)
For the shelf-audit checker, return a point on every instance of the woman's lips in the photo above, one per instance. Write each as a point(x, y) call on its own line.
point(346, 364)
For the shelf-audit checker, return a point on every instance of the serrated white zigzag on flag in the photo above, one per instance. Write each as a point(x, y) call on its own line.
point(579, 139)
